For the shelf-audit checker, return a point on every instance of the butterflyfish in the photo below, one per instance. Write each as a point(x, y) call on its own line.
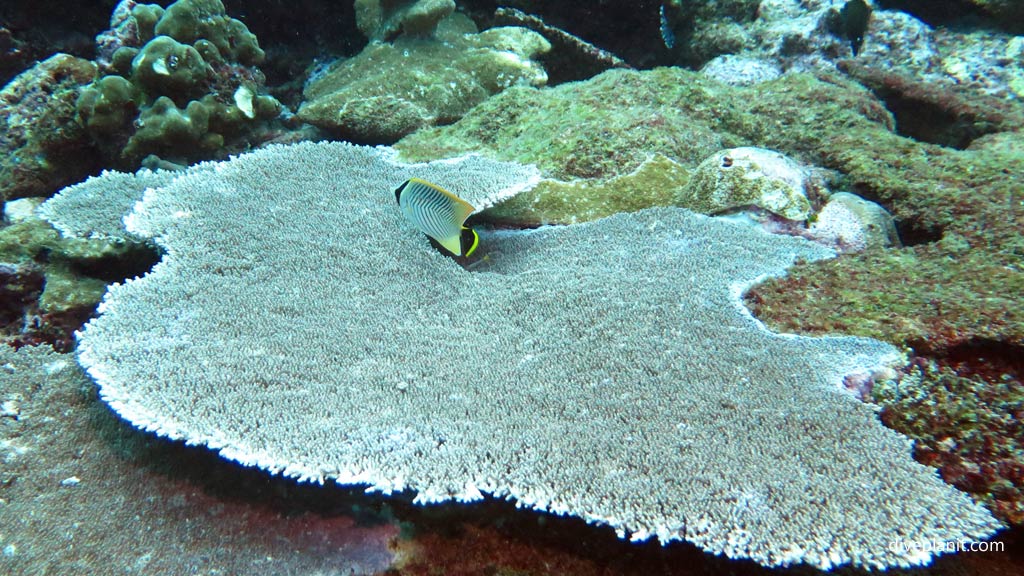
point(439, 214)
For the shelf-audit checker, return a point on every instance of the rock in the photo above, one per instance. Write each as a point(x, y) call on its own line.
point(749, 176)
point(601, 128)
point(571, 58)
point(740, 71)
point(852, 224)
point(384, 20)
point(990, 14)
point(654, 183)
point(20, 286)
point(364, 100)
point(42, 148)
point(53, 281)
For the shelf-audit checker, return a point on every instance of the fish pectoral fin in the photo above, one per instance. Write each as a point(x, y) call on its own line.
point(452, 244)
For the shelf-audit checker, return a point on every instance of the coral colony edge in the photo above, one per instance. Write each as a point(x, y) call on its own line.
point(570, 372)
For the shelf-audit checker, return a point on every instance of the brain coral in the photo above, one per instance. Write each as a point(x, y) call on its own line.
point(605, 370)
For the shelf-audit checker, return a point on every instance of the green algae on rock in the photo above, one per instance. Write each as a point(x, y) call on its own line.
point(41, 146)
point(384, 20)
point(592, 137)
point(967, 426)
point(603, 127)
point(653, 183)
point(363, 98)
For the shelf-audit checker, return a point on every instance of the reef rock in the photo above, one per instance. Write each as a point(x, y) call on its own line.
point(41, 146)
point(653, 183)
point(384, 20)
point(851, 224)
point(603, 128)
point(72, 274)
point(748, 176)
point(366, 99)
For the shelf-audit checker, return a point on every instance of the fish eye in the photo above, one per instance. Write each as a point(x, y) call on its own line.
point(172, 62)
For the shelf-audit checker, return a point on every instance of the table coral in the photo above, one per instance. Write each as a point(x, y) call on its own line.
point(931, 190)
point(130, 503)
point(633, 391)
point(959, 280)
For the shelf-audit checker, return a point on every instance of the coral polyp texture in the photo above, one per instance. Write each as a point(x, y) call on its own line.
point(299, 324)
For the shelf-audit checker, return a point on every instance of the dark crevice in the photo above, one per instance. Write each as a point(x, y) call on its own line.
point(911, 233)
point(135, 262)
point(962, 14)
point(33, 31)
point(295, 33)
point(988, 359)
point(933, 113)
point(25, 322)
point(925, 122)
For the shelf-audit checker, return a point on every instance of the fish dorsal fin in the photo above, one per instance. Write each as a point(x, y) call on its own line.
point(435, 211)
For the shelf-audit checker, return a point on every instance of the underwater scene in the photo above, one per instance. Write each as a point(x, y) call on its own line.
point(463, 287)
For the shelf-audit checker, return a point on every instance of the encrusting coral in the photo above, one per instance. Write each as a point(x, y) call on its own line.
point(633, 390)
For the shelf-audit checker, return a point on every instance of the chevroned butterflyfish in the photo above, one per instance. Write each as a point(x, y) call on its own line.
point(439, 214)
